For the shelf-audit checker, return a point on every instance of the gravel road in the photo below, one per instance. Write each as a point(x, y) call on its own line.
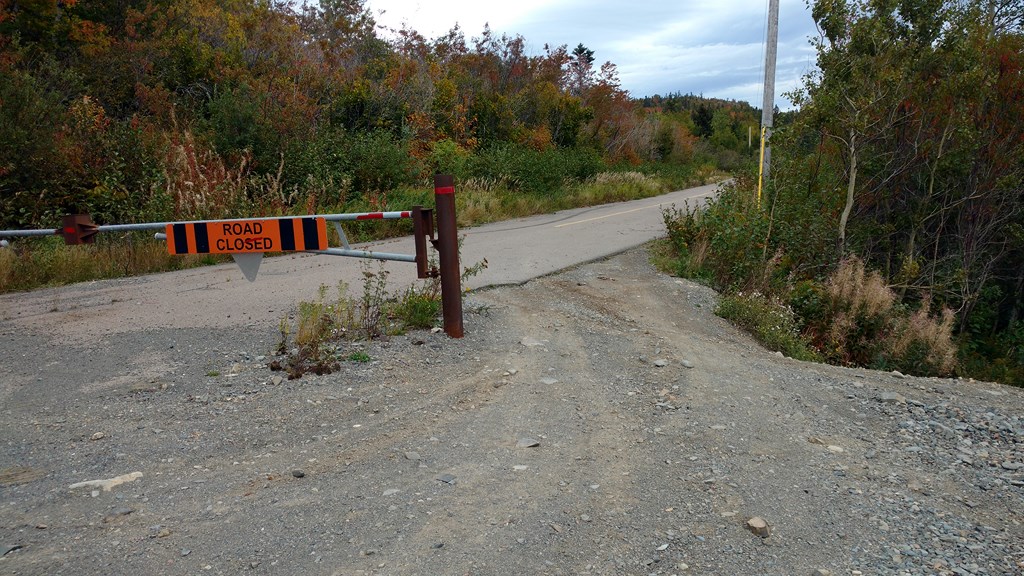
point(597, 421)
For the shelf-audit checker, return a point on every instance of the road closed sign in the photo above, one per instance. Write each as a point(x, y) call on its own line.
point(247, 236)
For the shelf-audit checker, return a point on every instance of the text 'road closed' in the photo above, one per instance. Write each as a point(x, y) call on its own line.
point(247, 236)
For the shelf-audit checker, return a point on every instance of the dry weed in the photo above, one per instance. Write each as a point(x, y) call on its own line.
point(852, 288)
point(200, 182)
point(699, 250)
point(483, 184)
point(931, 337)
point(623, 178)
point(868, 326)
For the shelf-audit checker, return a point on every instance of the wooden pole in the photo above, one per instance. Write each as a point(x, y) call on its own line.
point(768, 106)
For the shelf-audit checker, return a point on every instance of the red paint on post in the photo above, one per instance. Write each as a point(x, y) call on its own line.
point(444, 190)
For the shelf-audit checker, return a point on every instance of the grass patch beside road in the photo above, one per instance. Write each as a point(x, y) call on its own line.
point(35, 262)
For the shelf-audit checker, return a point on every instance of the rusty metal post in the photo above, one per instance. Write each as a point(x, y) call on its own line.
point(448, 254)
point(423, 230)
point(78, 229)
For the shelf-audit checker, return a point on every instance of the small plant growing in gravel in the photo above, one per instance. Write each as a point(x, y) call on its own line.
point(470, 271)
point(317, 322)
point(358, 356)
point(374, 301)
point(321, 323)
point(467, 271)
point(418, 308)
point(284, 327)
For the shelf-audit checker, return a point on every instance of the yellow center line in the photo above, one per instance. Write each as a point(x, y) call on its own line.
point(623, 212)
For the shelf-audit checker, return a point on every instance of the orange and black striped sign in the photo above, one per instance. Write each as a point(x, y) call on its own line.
point(246, 236)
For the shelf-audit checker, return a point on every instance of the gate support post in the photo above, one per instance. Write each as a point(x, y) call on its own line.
point(423, 230)
point(448, 254)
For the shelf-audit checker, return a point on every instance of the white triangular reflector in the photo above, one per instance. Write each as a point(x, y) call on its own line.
point(249, 263)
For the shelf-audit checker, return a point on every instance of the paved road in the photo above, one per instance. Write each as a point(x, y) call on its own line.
point(219, 296)
point(522, 249)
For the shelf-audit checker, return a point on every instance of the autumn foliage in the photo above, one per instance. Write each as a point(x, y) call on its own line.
point(173, 109)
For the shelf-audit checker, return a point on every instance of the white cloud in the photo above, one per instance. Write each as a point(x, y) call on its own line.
point(433, 19)
point(713, 47)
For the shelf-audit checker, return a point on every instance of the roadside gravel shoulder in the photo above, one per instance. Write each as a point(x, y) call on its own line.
point(600, 420)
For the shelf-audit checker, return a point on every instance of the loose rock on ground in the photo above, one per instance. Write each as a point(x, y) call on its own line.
point(413, 463)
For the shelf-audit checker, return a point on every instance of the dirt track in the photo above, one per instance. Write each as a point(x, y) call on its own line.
point(422, 460)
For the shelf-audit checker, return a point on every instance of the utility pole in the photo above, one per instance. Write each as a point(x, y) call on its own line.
point(768, 107)
point(771, 53)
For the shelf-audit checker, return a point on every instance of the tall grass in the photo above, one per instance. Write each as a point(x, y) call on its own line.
point(483, 200)
point(32, 263)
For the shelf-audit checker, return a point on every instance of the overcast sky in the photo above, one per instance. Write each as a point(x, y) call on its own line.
point(709, 47)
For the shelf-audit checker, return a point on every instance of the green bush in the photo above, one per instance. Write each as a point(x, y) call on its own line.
point(772, 323)
point(418, 308)
point(128, 187)
point(237, 124)
point(379, 162)
point(728, 242)
point(533, 171)
point(808, 301)
point(997, 357)
point(62, 153)
point(318, 166)
point(689, 240)
point(447, 157)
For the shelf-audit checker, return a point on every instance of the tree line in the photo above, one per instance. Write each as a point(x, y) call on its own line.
point(169, 109)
